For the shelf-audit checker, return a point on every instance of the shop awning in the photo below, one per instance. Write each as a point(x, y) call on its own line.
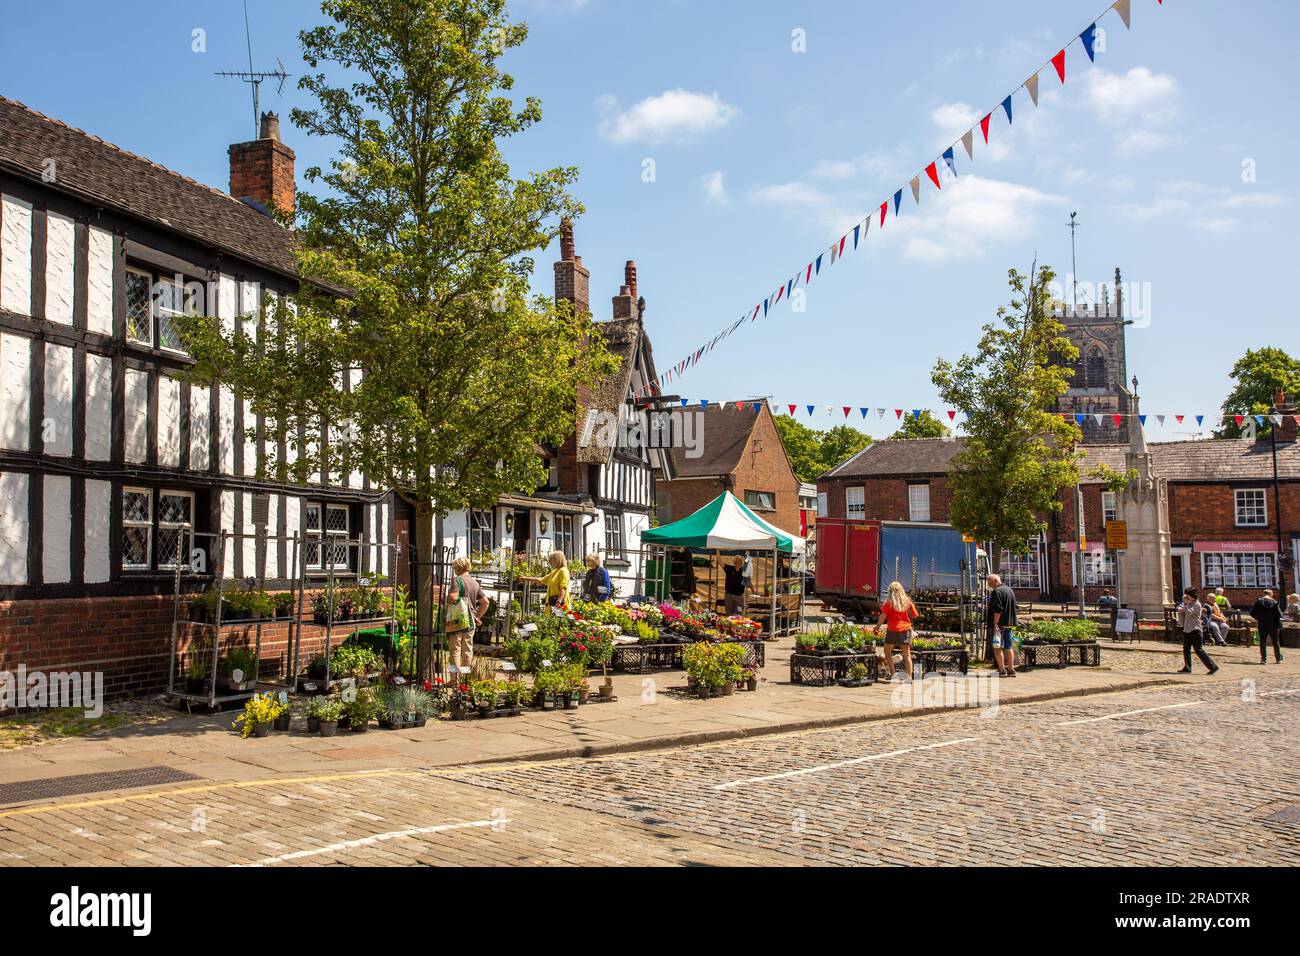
point(724, 524)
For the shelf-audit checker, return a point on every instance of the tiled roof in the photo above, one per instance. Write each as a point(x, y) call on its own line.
point(726, 431)
point(1226, 460)
point(100, 172)
point(621, 338)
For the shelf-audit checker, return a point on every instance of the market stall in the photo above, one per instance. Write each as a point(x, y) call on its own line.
point(724, 527)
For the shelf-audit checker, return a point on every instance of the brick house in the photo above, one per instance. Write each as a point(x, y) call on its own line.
point(114, 470)
point(742, 453)
point(1222, 510)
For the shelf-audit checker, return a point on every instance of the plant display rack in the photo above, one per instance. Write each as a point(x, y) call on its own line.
point(640, 658)
point(941, 660)
point(1077, 654)
point(825, 670)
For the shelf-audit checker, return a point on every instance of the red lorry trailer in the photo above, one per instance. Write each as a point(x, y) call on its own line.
point(857, 560)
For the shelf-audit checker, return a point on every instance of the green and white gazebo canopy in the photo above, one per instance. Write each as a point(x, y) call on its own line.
point(724, 524)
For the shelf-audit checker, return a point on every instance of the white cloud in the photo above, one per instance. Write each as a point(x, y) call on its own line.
point(1217, 226)
point(1135, 142)
point(870, 165)
point(1138, 96)
point(954, 119)
point(715, 189)
point(971, 215)
point(1207, 207)
point(670, 114)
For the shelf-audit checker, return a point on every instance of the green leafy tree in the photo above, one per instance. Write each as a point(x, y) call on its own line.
point(1259, 375)
point(841, 443)
point(812, 452)
point(927, 426)
point(1018, 453)
point(435, 373)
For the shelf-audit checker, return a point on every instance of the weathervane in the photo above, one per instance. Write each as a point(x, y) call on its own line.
point(254, 78)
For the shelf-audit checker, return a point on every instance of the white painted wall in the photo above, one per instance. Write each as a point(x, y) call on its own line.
point(227, 304)
point(292, 526)
point(200, 427)
point(56, 530)
point(169, 422)
point(98, 501)
point(226, 431)
point(16, 255)
point(99, 288)
point(15, 392)
point(99, 407)
point(137, 416)
point(250, 440)
point(382, 532)
point(273, 542)
point(60, 246)
point(249, 543)
point(13, 527)
point(57, 425)
point(227, 524)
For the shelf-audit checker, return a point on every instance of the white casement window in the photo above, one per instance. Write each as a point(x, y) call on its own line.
point(175, 527)
point(918, 502)
point(613, 535)
point(564, 537)
point(480, 532)
point(336, 536)
point(311, 532)
point(760, 500)
point(1098, 569)
point(855, 503)
point(137, 529)
point(1109, 507)
point(139, 313)
point(1252, 508)
point(1233, 569)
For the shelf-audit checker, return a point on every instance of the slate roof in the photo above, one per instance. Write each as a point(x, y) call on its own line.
point(1226, 460)
point(99, 172)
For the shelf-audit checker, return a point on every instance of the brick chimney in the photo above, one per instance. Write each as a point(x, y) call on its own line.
point(572, 280)
point(1287, 430)
point(625, 303)
point(262, 170)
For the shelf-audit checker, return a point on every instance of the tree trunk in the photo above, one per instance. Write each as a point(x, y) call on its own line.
point(424, 550)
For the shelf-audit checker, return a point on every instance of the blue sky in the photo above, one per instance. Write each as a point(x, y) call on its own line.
point(763, 156)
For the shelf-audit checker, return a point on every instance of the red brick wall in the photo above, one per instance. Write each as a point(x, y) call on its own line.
point(768, 470)
point(127, 638)
point(886, 498)
point(263, 170)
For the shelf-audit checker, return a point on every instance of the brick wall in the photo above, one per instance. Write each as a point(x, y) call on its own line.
point(887, 498)
point(768, 470)
point(263, 170)
point(126, 638)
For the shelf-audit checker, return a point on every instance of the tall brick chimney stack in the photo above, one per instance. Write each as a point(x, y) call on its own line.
point(1287, 430)
point(572, 280)
point(625, 303)
point(262, 170)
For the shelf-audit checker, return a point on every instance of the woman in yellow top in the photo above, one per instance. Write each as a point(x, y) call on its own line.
point(557, 581)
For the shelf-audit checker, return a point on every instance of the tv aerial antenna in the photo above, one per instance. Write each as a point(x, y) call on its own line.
point(255, 78)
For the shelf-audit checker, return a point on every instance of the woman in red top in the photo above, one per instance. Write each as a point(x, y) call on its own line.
point(897, 612)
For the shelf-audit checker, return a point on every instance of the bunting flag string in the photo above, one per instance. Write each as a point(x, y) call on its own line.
point(1079, 418)
point(837, 250)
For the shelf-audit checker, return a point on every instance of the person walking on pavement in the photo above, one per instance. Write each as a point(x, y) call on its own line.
point(1268, 615)
point(897, 612)
point(1191, 616)
point(1000, 616)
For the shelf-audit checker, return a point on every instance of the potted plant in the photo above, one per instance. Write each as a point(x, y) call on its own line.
point(327, 711)
point(750, 677)
point(241, 659)
point(260, 713)
point(196, 670)
point(546, 687)
point(284, 604)
point(484, 694)
point(460, 701)
point(857, 677)
point(407, 705)
point(361, 709)
point(515, 692)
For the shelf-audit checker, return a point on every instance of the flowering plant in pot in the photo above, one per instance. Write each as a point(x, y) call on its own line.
point(260, 713)
point(362, 709)
point(460, 700)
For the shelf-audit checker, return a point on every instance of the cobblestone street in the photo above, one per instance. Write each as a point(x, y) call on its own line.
point(1198, 774)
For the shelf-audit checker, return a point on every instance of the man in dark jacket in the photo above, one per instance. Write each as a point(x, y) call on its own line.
point(1268, 615)
point(1000, 616)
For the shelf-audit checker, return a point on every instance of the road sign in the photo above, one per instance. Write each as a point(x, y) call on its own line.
point(1117, 535)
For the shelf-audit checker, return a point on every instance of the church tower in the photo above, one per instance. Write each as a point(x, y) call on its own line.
point(1098, 390)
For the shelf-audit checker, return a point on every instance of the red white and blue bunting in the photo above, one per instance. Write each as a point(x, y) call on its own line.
point(850, 241)
point(950, 416)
